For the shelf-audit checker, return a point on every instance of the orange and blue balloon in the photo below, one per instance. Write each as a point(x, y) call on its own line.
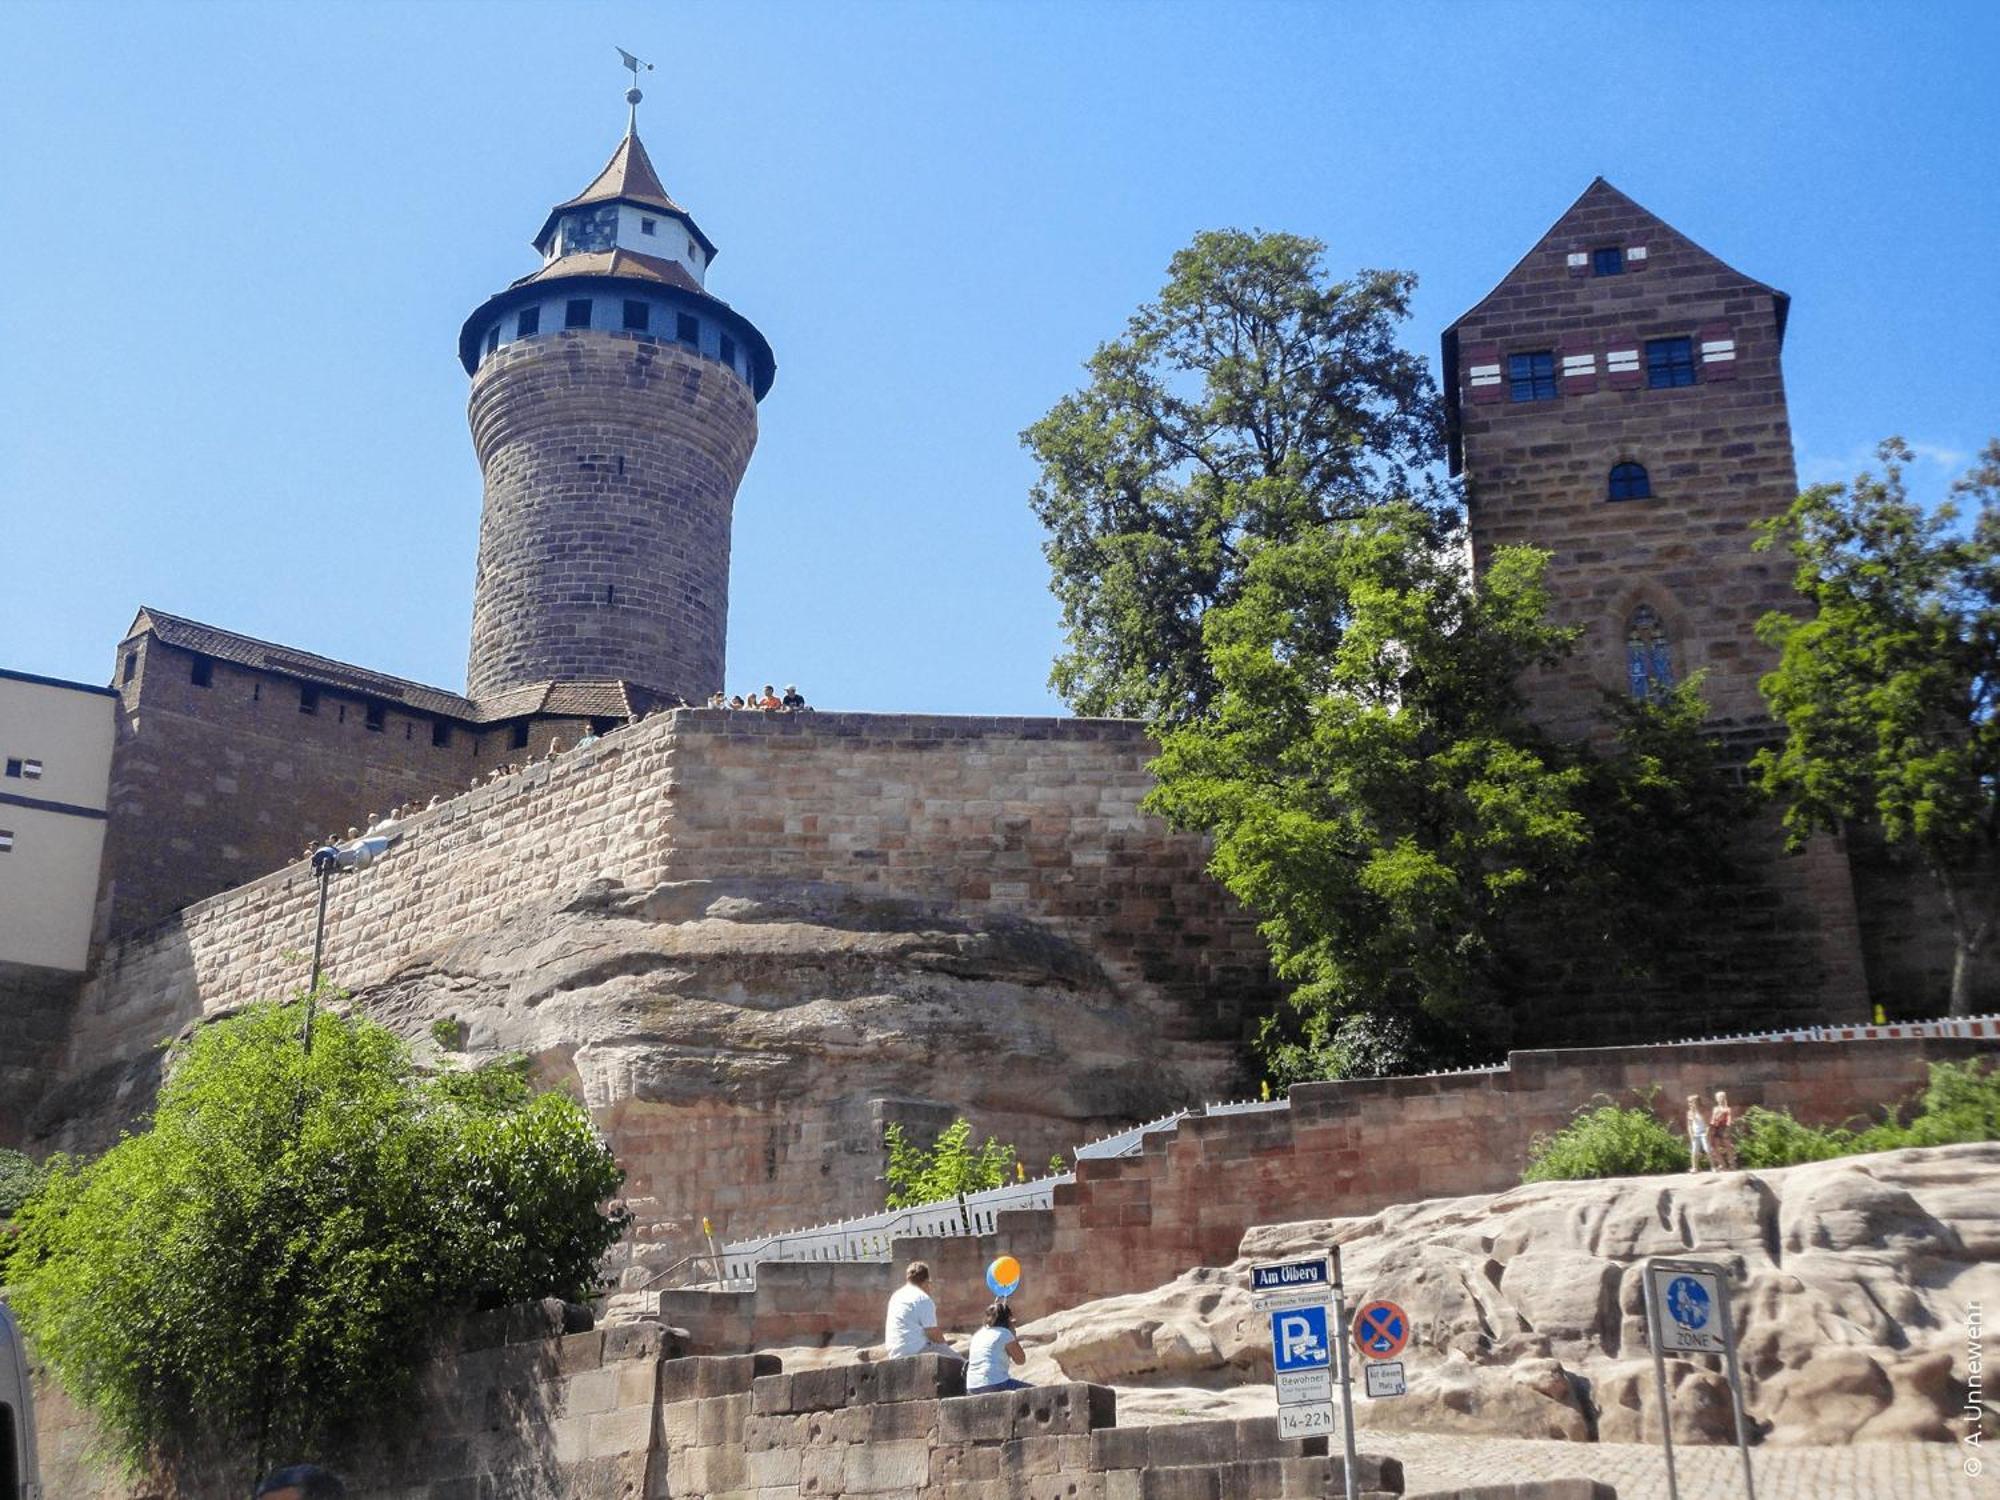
point(1003, 1277)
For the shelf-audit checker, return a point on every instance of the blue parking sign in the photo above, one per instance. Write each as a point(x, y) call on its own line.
point(1299, 1341)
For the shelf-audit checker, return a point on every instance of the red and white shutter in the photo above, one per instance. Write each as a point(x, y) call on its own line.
point(1578, 356)
point(1715, 349)
point(1485, 380)
point(1624, 363)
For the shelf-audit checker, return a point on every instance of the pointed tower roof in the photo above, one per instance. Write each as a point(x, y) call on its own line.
point(627, 178)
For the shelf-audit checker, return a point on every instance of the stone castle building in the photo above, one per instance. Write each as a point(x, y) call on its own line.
point(751, 940)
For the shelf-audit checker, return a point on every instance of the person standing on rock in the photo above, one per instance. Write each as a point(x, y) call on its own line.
point(1721, 1127)
point(912, 1325)
point(1697, 1129)
point(994, 1347)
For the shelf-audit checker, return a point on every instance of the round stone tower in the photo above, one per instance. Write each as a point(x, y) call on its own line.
point(614, 409)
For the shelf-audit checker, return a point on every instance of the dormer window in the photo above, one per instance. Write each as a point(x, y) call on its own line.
point(648, 226)
point(694, 252)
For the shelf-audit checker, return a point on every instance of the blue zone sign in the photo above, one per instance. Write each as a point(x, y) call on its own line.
point(1299, 1341)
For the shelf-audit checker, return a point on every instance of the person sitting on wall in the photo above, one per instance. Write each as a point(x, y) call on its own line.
point(994, 1348)
point(770, 702)
point(912, 1324)
point(794, 701)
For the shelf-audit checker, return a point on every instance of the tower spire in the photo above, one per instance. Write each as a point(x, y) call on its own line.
point(632, 95)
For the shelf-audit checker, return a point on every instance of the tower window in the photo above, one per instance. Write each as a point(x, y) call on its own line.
point(6, 841)
point(694, 251)
point(1649, 660)
point(308, 700)
point(493, 338)
point(375, 718)
point(648, 226)
point(729, 351)
point(638, 316)
point(13, 766)
point(131, 667)
point(1630, 482)
point(31, 769)
point(1669, 362)
point(529, 323)
point(1609, 261)
point(519, 739)
point(201, 671)
point(440, 733)
point(1532, 377)
point(687, 328)
point(576, 313)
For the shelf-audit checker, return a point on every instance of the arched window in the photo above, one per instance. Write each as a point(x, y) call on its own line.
point(1649, 660)
point(1629, 482)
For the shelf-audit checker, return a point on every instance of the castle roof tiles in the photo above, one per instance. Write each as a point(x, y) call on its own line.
point(588, 699)
point(627, 178)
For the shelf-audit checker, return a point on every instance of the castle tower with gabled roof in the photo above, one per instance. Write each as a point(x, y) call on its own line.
point(1618, 400)
point(614, 410)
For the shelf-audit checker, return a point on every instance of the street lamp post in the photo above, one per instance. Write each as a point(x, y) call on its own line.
point(327, 861)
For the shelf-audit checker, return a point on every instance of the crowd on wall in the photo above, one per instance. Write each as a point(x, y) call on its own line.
point(767, 701)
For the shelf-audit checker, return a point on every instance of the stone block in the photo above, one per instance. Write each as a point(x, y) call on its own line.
point(1174, 1444)
point(594, 1390)
point(713, 1375)
point(580, 1351)
point(919, 1377)
point(978, 1419)
point(610, 1433)
point(773, 1466)
point(889, 1421)
point(1179, 1484)
point(895, 1468)
point(1120, 1448)
point(642, 1340)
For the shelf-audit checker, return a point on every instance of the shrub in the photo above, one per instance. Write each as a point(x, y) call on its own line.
point(19, 1177)
point(267, 1265)
point(951, 1166)
point(1961, 1103)
point(1772, 1138)
point(1606, 1141)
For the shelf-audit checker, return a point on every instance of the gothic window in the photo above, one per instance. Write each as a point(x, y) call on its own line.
point(1669, 362)
point(1532, 377)
point(1649, 660)
point(1630, 482)
point(1608, 261)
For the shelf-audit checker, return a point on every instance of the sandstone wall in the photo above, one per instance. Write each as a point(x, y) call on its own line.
point(616, 1413)
point(1131, 1223)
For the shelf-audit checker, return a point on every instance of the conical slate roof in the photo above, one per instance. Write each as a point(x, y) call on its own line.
point(627, 178)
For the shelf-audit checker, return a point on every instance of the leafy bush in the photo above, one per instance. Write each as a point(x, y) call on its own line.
point(1606, 1141)
point(19, 1177)
point(1772, 1138)
point(951, 1166)
point(267, 1265)
point(1961, 1103)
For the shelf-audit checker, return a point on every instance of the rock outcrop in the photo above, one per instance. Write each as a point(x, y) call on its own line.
point(743, 1044)
point(1853, 1280)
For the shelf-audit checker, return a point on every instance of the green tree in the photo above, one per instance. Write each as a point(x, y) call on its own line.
point(19, 1177)
point(951, 1165)
point(266, 1266)
point(1886, 688)
point(1257, 399)
point(1410, 843)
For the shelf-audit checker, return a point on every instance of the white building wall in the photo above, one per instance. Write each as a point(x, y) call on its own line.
point(55, 821)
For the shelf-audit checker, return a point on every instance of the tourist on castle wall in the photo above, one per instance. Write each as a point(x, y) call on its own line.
point(994, 1348)
point(794, 701)
point(911, 1327)
point(1721, 1124)
point(1697, 1129)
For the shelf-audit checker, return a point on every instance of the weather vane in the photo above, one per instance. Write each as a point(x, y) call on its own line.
point(632, 95)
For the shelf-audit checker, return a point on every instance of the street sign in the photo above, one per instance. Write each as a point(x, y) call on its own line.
point(1691, 1298)
point(1687, 1312)
point(1302, 1357)
point(1290, 1283)
point(1381, 1329)
point(1385, 1378)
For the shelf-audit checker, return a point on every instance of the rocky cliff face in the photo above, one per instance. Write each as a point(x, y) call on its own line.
point(1854, 1279)
point(743, 1044)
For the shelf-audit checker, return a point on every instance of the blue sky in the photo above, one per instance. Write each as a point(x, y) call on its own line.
point(243, 238)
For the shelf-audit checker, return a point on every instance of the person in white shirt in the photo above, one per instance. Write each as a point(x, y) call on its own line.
point(994, 1348)
point(911, 1327)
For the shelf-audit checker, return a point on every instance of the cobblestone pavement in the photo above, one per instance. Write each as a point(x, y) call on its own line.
point(1866, 1471)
